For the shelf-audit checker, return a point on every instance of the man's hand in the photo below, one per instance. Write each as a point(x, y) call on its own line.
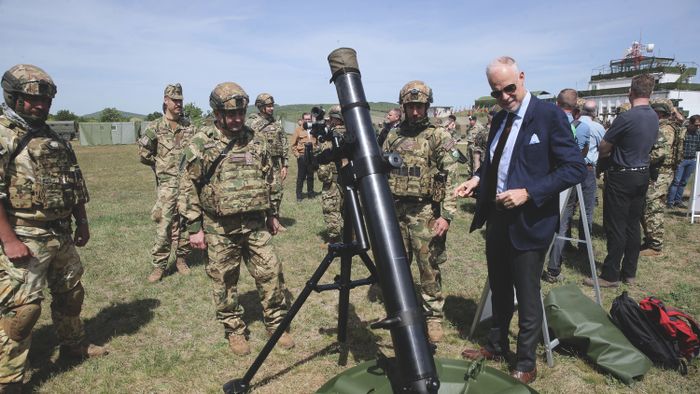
point(273, 225)
point(512, 198)
point(283, 173)
point(197, 240)
point(81, 235)
point(440, 227)
point(467, 188)
point(16, 250)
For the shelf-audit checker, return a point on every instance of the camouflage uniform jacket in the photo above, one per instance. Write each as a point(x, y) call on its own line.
point(426, 153)
point(43, 183)
point(478, 136)
point(275, 135)
point(241, 181)
point(661, 154)
point(161, 148)
point(328, 173)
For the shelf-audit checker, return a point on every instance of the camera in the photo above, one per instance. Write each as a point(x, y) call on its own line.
point(318, 127)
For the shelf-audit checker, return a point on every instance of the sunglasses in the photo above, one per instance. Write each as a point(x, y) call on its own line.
point(510, 89)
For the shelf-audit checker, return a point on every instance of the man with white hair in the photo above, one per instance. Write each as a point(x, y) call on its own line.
point(531, 157)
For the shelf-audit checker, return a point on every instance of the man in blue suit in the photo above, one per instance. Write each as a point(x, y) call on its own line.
point(532, 157)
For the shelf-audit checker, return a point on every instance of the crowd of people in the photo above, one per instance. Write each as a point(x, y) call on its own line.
point(220, 187)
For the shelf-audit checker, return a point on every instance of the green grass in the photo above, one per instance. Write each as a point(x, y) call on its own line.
point(163, 337)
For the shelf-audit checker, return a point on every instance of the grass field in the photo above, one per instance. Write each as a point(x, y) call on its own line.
point(163, 337)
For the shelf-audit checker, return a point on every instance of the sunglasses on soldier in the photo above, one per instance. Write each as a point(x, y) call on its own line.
point(510, 89)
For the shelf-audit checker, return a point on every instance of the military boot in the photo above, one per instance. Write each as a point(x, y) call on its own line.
point(182, 266)
point(11, 388)
point(238, 344)
point(435, 332)
point(83, 350)
point(286, 341)
point(156, 275)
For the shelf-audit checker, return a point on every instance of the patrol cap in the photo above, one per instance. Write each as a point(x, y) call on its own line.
point(174, 91)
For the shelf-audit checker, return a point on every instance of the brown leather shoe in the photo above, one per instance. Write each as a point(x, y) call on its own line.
point(524, 377)
point(11, 388)
point(83, 350)
point(238, 344)
point(601, 283)
point(629, 281)
point(182, 267)
point(651, 253)
point(156, 275)
point(286, 341)
point(435, 332)
point(478, 354)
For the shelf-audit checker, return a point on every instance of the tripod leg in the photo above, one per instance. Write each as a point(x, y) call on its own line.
point(243, 385)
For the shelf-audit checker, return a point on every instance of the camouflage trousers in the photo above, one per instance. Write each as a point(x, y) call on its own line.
point(277, 191)
point(249, 244)
point(653, 219)
point(416, 220)
point(332, 206)
point(169, 233)
point(55, 264)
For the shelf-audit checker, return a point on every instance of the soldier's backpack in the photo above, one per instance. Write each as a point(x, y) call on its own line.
point(675, 324)
point(645, 334)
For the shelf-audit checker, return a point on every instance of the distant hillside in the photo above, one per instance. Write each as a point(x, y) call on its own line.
point(293, 112)
point(127, 115)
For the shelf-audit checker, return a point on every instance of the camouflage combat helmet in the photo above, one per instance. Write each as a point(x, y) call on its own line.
point(623, 108)
point(228, 96)
point(580, 102)
point(264, 99)
point(174, 91)
point(335, 112)
point(662, 105)
point(26, 79)
point(416, 92)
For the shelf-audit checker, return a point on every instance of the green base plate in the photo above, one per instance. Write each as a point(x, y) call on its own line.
point(456, 376)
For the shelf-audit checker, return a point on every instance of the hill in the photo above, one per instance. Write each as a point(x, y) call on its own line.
point(292, 112)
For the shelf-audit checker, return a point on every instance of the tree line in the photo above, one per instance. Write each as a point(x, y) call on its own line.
point(111, 114)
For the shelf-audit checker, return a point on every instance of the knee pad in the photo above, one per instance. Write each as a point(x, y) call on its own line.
point(69, 303)
point(19, 326)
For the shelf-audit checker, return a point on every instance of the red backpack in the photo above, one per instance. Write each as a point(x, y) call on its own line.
point(679, 326)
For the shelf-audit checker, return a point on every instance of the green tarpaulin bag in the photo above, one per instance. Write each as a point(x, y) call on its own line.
point(576, 320)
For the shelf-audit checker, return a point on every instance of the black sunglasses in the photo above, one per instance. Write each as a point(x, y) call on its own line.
point(510, 89)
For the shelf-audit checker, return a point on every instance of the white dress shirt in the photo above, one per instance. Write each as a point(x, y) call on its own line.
point(504, 164)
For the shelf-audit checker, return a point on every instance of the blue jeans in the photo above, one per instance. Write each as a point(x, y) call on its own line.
point(680, 179)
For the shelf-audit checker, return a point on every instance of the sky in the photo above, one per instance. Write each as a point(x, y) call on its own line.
point(122, 53)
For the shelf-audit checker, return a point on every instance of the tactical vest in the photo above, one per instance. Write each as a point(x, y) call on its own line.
point(57, 182)
point(416, 177)
point(238, 184)
point(273, 133)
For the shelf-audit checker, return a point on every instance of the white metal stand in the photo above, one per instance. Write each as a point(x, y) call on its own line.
point(693, 209)
point(483, 310)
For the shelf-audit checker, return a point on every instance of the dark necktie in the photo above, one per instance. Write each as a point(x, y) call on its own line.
point(492, 176)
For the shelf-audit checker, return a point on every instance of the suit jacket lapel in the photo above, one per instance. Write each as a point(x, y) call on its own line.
point(529, 115)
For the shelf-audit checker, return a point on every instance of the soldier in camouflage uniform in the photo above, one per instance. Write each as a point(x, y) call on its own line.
point(332, 193)
point(423, 206)
point(160, 148)
point(663, 161)
point(477, 136)
point(227, 186)
point(41, 187)
point(264, 123)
